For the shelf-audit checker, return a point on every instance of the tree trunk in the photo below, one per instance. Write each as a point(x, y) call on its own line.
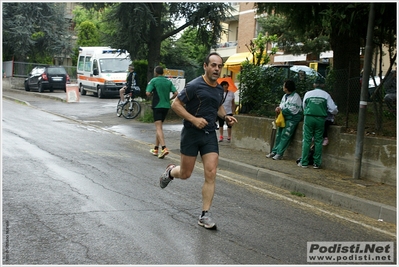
point(155, 40)
point(346, 65)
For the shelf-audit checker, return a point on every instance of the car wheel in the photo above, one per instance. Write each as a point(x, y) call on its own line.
point(40, 87)
point(99, 93)
point(82, 90)
point(27, 87)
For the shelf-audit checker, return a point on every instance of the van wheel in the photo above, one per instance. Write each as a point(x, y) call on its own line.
point(99, 93)
point(82, 90)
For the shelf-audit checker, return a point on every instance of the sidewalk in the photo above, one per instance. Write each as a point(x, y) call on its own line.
point(369, 198)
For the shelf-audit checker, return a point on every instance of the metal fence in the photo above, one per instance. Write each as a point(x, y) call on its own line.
point(346, 92)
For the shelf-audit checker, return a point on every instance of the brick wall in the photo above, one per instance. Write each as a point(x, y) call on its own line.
point(246, 26)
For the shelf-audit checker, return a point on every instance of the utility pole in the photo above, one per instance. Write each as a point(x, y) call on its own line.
point(364, 95)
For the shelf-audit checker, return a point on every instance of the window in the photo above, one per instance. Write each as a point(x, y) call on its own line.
point(109, 65)
point(95, 65)
point(81, 63)
point(56, 70)
point(37, 70)
point(87, 64)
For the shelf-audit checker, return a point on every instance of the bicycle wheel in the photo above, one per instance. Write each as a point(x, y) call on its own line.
point(131, 109)
point(119, 108)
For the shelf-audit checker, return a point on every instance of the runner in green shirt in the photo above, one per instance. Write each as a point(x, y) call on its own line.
point(160, 88)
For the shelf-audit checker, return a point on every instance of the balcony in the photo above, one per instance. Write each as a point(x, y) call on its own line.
point(225, 49)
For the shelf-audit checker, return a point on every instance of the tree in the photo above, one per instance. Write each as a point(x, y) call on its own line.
point(142, 27)
point(34, 30)
point(288, 38)
point(185, 53)
point(88, 34)
point(258, 83)
point(258, 49)
point(345, 24)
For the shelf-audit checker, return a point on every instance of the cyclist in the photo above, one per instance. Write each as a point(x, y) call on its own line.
point(131, 80)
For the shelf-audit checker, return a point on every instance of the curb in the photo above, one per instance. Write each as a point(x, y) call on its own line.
point(369, 208)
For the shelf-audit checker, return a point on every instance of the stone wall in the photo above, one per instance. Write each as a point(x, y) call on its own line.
point(378, 160)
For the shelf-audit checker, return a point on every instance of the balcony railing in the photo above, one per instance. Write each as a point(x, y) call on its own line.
point(225, 45)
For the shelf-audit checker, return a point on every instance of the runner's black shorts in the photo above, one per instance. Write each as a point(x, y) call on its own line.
point(194, 140)
point(160, 114)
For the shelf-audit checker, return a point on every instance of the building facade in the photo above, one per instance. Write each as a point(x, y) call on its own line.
point(243, 27)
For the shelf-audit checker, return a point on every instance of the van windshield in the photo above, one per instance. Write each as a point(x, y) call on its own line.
point(113, 65)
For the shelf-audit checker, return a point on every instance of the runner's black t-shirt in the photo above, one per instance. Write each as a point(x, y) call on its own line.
point(202, 101)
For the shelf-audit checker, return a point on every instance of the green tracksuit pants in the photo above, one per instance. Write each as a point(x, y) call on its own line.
point(284, 135)
point(312, 127)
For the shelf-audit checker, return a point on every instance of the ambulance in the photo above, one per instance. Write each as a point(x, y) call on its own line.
point(102, 70)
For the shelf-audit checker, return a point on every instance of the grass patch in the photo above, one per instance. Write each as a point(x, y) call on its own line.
point(147, 118)
point(297, 194)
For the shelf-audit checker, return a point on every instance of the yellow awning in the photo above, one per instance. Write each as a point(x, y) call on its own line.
point(233, 63)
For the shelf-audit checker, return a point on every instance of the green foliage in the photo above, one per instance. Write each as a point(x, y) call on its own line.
point(260, 89)
point(37, 35)
point(81, 14)
point(140, 67)
point(259, 48)
point(148, 117)
point(34, 30)
point(259, 85)
point(186, 53)
point(298, 194)
point(290, 40)
point(88, 34)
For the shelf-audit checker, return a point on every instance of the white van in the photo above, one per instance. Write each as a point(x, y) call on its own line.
point(102, 70)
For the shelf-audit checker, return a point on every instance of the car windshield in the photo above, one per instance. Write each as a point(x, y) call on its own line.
point(56, 71)
point(114, 65)
point(304, 72)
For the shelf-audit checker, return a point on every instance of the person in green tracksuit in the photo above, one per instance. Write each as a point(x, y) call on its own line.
point(316, 104)
point(291, 107)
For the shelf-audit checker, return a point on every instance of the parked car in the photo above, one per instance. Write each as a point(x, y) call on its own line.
point(295, 71)
point(303, 76)
point(47, 78)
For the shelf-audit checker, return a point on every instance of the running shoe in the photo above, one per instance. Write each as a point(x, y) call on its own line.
point(206, 221)
point(221, 139)
point(277, 157)
point(316, 166)
point(165, 179)
point(303, 166)
point(270, 155)
point(325, 141)
point(164, 152)
point(154, 151)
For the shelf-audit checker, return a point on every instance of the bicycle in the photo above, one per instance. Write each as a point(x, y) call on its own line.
point(131, 108)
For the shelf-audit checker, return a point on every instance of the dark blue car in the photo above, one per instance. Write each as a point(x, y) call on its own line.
point(50, 78)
